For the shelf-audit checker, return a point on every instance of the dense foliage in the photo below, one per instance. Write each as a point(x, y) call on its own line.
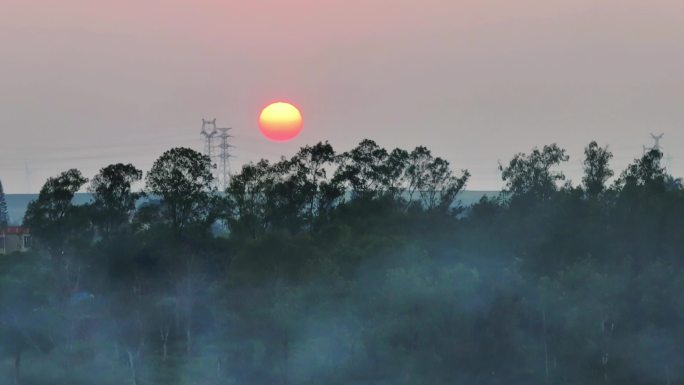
point(4, 215)
point(352, 268)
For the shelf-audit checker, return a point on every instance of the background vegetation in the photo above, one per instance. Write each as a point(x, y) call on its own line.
point(353, 268)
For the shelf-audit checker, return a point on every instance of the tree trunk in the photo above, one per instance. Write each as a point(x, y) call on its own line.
point(131, 364)
point(188, 338)
point(286, 348)
point(164, 333)
point(175, 217)
point(546, 349)
point(17, 367)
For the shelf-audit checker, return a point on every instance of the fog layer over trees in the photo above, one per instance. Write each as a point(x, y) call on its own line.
point(352, 268)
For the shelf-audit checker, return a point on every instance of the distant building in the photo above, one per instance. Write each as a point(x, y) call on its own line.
point(15, 239)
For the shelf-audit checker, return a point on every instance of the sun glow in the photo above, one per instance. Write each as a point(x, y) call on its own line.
point(280, 121)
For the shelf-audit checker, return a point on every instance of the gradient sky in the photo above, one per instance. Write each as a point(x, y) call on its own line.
point(86, 83)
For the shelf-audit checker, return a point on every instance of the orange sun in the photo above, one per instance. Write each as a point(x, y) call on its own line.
point(280, 121)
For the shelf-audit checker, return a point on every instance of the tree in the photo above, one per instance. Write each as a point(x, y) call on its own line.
point(532, 175)
point(283, 195)
point(52, 217)
point(290, 195)
point(440, 186)
point(596, 169)
point(417, 164)
point(182, 178)
point(310, 163)
point(646, 171)
point(431, 179)
point(114, 201)
point(362, 169)
point(4, 215)
point(249, 194)
point(27, 317)
point(393, 173)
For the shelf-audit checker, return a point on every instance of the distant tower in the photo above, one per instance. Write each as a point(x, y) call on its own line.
point(208, 135)
point(656, 144)
point(224, 157)
point(658, 147)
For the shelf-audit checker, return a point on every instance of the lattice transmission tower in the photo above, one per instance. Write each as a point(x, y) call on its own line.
point(224, 156)
point(208, 135)
point(657, 146)
point(217, 147)
point(656, 140)
point(656, 143)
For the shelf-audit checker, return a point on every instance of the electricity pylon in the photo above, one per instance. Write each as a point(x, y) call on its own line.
point(208, 135)
point(656, 146)
point(222, 166)
point(656, 138)
point(224, 157)
point(656, 143)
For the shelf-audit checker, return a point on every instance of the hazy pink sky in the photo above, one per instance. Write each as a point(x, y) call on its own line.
point(87, 83)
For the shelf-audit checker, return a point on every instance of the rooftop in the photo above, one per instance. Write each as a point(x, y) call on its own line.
point(15, 230)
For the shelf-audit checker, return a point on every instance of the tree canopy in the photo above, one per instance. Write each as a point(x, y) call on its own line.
point(359, 267)
point(4, 215)
point(182, 178)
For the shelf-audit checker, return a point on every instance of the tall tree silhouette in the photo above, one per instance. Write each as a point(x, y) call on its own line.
point(114, 200)
point(52, 217)
point(533, 175)
point(182, 178)
point(4, 215)
point(596, 168)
